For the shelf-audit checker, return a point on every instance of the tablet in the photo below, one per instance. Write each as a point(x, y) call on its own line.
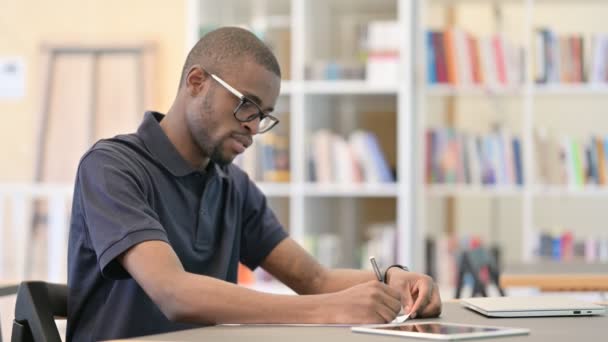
point(439, 330)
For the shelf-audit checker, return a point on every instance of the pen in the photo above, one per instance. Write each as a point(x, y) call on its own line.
point(376, 269)
point(399, 319)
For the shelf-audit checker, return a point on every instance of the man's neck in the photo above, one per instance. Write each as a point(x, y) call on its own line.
point(176, 128)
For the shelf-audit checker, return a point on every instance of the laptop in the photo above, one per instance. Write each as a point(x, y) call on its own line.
point(532, 306)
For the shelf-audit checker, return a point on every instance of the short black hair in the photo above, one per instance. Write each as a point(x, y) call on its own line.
point(221, 48)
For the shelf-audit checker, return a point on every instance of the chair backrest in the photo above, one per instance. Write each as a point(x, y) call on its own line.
point(37, 305)
point(6, 290)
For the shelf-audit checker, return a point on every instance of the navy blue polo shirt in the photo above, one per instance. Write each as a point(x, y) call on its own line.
point(135, 188)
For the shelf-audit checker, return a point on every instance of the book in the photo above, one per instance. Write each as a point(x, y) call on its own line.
point(457, 57)
point(459, 157)
point(356, 159)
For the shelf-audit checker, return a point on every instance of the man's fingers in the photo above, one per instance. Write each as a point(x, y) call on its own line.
point(424, 296)
point(393, 293)
point(388, 311)
point(433, 308)
point(390, 298)
point(408, 301)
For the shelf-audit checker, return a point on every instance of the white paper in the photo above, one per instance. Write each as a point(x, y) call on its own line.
point(400, 319)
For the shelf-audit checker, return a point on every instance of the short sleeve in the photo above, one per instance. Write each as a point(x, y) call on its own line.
point(262, 231)
point(116, 212)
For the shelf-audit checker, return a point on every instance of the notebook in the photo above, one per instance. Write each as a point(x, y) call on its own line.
point(532, 306)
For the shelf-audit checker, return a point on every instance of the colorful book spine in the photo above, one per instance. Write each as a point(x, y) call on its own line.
point(456, 157)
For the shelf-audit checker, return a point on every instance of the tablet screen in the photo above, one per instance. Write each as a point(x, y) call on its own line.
point(440, 331)
point(438, 328)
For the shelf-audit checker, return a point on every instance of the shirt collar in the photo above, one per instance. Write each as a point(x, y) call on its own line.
point(163, 150)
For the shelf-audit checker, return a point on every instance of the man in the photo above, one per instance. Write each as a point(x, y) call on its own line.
point(161, 219)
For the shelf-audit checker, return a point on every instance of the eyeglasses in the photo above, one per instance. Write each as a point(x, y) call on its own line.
point(247, 110)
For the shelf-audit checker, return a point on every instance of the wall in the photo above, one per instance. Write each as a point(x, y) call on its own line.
point(26, 24)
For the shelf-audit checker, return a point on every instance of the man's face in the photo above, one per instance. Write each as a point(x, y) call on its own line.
point(209, 114)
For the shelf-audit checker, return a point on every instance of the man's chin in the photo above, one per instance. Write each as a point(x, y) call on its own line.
point(223, 160)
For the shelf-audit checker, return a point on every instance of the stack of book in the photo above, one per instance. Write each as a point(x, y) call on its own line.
point(383, 41)
point(358, 159)
point(574, 58)
point(454, 157)
point(572, 162)
point(566, 247)
point(457, 57)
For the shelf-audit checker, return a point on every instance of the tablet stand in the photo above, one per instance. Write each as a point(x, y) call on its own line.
point(474, 263)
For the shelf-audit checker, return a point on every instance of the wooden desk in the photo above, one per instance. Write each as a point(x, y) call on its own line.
point(551, 276)
point(542, 329)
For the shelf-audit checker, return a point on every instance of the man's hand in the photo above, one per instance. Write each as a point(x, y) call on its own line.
point(419, 294)
point(370, 302)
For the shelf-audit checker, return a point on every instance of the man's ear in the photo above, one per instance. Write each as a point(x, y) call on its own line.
point(195, 79)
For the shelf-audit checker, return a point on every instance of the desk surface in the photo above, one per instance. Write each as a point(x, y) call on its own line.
point(553, 329)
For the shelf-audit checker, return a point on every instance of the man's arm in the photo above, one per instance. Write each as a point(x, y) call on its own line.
point(188, 297)
point(295, 267)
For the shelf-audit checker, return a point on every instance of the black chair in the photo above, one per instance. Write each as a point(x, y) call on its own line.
point(7, 290)
point(38, 303)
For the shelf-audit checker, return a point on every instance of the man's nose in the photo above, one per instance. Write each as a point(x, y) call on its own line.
point(253, 126)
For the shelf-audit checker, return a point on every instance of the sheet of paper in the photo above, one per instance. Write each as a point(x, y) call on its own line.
point(400, 319)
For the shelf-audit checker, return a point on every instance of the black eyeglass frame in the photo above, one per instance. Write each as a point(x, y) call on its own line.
point(243, 100)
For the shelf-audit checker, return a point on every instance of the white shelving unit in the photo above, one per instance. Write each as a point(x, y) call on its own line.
point(348, 87)
point(530, 14)
point(471, 190)
point(317, 29)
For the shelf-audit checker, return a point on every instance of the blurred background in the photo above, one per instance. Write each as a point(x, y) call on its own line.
point(467, 139)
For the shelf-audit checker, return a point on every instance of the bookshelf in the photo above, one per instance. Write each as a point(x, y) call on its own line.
point(570, 108)
point(320, 46)
point(331, 83)
point(348, 87)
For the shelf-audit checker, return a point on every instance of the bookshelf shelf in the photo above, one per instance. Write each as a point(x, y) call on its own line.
point(275, 189)
point(540, 89)
point(447, 2)
point(271, 22)
point(473, 191)
point(450, 90)
point(350, 190)
point(286, 87)
point(565, 191)
point(347, 87)
point(571, 89)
